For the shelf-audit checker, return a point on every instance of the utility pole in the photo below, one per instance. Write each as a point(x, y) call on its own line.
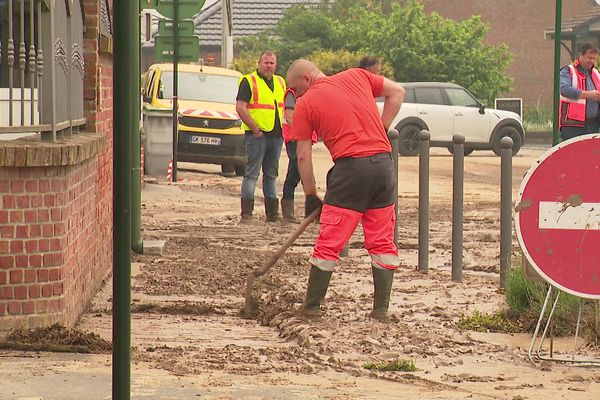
point(557, 39)
point(227, 33)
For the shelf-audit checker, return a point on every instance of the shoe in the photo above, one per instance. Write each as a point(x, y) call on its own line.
point(318, 282)
point(272, 209)
point(287, 209)
point(247, 209)
point(382, 281)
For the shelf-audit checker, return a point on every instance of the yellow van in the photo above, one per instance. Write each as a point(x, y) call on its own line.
point(209, 127)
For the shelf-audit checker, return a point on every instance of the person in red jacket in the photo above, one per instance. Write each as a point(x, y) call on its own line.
point(360, 186)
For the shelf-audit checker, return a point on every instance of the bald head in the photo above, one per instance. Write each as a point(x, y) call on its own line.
point(301, 75)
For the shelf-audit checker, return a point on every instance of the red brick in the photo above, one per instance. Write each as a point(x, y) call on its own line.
point(42, 275)
point(56, 214)
point(47, 230)
point(35, 291)
point(35, 260)
point(22, 231)
point(21, 261)
point(31, 246)
point(9, 201)
point(16, 276)
point(58, 288)
point(23, 201)
point(47, 290)
point(58, 259)
point(14, 307)
point(48, 260)
point(28, 307)
point(58, 185)
point(35, 231)
point(8, 231)
point(31, 186)
point(16, 216)
point(49, 200)
point(30, 216)
point(44, 186)
point(3, 309)
point(4, 186)
point(54, 274)
point(3, 216)
point(30, 275)
point(7, 262)
point(17, 186)
point(44, 245)
point(2, 277)
point(16, 246)
point(36, 200)
point(21, 292)
point(6, 292)
point(4, 246)
point(41, 306)
point(43, 215)
point(59, 229)
point(55, 244)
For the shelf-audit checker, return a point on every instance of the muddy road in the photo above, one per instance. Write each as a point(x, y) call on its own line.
point(188, 336)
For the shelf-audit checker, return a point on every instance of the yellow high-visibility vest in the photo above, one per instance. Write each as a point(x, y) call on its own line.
point(262, 102)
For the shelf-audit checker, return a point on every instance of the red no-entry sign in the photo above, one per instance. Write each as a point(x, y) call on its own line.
point(557, 216)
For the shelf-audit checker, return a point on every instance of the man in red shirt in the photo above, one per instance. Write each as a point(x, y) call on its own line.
point(360, 186)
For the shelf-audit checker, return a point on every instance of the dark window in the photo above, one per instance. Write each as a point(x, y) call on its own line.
point(409, 96)
point(460, 97)
point(429, 96)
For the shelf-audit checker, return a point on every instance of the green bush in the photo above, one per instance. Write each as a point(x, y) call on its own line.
point(537, 119)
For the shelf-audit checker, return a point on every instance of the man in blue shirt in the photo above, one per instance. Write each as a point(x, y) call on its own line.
point(579, 100)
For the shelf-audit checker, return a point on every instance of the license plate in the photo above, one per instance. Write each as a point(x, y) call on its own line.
point(205, 140)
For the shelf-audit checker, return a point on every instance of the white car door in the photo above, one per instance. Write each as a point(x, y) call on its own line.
point(432, 109)
point(468, 120)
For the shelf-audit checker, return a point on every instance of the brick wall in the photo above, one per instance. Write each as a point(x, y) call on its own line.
point(521, 25)
point(56, 206)
point(56, 229)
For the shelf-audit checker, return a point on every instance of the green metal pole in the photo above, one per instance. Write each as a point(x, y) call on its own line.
point(137, 244)
point(125, 12)
point(557, 39)
point(175, 85)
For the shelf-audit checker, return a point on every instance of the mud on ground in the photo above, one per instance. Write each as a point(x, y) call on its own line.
point(209, 254)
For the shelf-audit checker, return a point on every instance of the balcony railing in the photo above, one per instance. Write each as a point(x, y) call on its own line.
point(41, 93)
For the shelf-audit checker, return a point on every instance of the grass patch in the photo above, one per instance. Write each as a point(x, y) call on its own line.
point(497, 322)
point(537, 119)
point(55, 338)
point(394, 365)
point(177, 308)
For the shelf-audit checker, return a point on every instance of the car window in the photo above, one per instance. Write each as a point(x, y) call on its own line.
point(200, 87)
point(409, 96)
point(460, 97)
point(429, 96)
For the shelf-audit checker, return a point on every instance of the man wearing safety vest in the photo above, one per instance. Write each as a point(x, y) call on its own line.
point(260, 107)
point(579, 95)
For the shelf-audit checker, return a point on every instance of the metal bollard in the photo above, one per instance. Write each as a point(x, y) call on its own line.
point(457, 205)
point(424, 137)
point(506, 144)
point(394, 136)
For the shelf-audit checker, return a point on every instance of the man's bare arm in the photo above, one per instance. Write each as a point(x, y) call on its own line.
point(394, 96)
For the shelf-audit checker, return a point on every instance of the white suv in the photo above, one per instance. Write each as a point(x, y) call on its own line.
point(446, 108)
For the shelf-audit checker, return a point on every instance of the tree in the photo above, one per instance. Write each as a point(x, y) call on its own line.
point(417, 46)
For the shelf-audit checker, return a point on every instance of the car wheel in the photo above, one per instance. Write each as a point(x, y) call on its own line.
point(240, 170)
point(468, 150)
point(227, 168)
point(409, 140)
point(511, 132)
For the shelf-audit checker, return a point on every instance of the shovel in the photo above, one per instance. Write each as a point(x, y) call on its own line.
point(250, 308)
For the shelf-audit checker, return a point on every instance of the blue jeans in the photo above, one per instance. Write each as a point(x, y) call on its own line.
point(293, 175)
point(262, 152)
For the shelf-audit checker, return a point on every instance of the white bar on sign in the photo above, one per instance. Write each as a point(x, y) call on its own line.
point(557, 215)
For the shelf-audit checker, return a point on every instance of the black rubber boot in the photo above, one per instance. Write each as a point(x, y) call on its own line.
point(382, 281)
point(287, 210)
point(247, 209)
point(272, 209)
point(318, 282)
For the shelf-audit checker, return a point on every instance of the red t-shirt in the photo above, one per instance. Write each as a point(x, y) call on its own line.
point(341, 108)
